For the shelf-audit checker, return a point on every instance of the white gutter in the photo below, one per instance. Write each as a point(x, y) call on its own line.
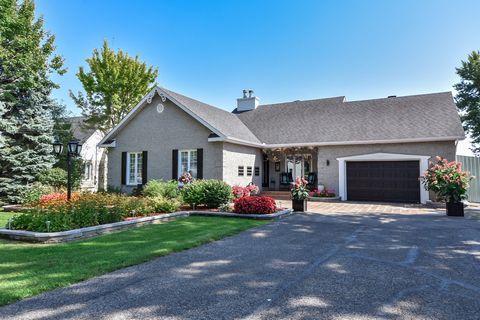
point(333, 143)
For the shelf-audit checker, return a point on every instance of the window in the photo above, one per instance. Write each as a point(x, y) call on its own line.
point(134, 168)
point(249, 171)
point(240, 170)
point(257, 171)
point(187, 162)
point(87, 173)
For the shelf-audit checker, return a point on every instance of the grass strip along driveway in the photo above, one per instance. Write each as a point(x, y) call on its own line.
point(29, 269)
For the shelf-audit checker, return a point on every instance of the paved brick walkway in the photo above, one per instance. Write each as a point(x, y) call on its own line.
point(361, 207)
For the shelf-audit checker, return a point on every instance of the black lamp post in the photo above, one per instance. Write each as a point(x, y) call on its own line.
point(73, 150)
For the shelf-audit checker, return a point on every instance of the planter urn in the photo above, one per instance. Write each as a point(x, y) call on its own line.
point(455, 209)
point(299, 205)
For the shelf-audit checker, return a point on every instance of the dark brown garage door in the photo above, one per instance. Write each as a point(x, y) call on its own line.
point(387, 181)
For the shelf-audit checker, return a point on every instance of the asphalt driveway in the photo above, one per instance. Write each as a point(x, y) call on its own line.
point(307, 266)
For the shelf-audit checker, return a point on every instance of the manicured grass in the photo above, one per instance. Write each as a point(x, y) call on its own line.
point(4, 216)
point(29, 269)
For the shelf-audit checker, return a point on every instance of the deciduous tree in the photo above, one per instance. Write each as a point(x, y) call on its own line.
point(468, 96)
point(114, 83)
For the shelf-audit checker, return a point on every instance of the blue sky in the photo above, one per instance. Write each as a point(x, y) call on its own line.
point(284, 50)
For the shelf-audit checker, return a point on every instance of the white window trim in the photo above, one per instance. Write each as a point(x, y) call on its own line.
point(90, 175)
point(342, 169)
point(179, 166)
point(135, 183)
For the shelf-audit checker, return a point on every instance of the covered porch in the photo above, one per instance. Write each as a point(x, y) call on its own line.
point(281, 166)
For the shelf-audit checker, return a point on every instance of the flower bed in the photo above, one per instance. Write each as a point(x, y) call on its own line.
point(53, 213)
point(325, 193)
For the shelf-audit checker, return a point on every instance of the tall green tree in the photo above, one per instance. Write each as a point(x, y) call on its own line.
point(27, 61)
point(114, 83)
point(468, 96)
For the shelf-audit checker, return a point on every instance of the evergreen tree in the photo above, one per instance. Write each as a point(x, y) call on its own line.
point(27, 60)
point(113, 85)
point(468, 96)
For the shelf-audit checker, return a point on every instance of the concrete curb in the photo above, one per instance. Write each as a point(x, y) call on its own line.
point(88, 232)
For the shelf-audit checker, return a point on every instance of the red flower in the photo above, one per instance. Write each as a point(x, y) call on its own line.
point(254, 205)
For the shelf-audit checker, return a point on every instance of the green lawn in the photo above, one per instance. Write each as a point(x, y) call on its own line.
point(4, 216)
point(29, 269)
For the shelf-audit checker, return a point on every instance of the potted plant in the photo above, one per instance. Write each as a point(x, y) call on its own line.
point(449, 182)
point(299, 193)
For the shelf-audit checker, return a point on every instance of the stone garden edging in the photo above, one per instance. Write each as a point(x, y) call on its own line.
point(88, 232)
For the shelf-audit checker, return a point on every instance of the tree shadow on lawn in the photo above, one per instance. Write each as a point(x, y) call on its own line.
point(28, 269)
point(302, 267)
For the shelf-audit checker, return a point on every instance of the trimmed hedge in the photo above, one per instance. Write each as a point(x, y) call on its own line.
point(211, 193)
point(254, 205)
point(160, 188)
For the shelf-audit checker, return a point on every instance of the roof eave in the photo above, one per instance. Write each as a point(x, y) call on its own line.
point(148, 99)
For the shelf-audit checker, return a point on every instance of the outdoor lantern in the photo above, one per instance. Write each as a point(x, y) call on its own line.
point(57, 147)
point(79, 149)
point(72, 146)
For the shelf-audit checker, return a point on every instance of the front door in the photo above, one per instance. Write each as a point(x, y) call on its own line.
point(298, 166)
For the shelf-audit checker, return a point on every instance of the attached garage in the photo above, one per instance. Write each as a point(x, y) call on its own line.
point(383, 177)
point(386, 181)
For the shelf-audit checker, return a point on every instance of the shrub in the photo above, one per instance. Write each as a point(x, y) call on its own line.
point(133, 206)
point(163, 205)
point(216, 192)
point(193, 194)
point(447, 180)
point(249, 190)
point(254, 205)
point(211, 193)
point(55, 177)
point(226, 207)
point(35, 192)
point(160, 188)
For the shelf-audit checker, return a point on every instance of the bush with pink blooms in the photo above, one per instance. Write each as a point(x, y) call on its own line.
point(447, 180)
point(249, 190)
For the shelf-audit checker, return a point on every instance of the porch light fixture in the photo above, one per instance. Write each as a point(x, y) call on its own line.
point(328, 162)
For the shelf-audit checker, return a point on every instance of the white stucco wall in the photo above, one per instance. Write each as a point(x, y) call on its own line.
point(159, 134)
point(237, 155)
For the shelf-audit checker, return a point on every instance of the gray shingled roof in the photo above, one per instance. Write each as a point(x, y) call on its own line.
point(332, 120)
point(80, 132)
point(225, 122)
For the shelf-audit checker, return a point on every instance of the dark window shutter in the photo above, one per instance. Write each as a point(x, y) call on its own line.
point(144, 167)
point(199, 163)
point(174, 164)
point(124, 168)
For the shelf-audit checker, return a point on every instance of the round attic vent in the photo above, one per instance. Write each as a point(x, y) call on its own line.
point(160, 108)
